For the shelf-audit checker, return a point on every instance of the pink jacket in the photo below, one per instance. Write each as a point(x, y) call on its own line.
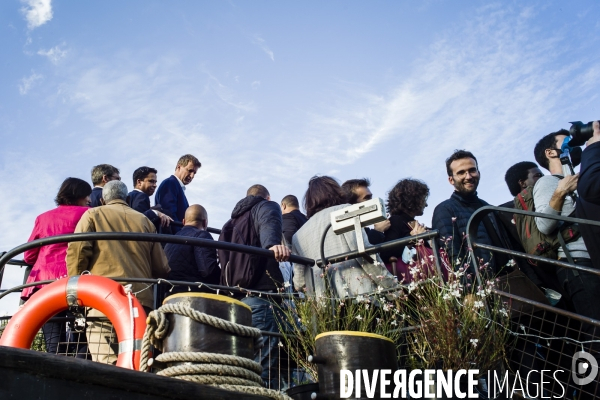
point(49, 261)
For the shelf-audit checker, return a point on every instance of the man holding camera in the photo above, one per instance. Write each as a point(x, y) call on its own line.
point(552, 195)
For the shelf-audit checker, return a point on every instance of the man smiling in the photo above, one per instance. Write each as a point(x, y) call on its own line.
point(144, 182)
point(171, 192)
point(451, 216)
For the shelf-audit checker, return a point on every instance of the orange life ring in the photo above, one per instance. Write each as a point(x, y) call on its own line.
point(103, 294)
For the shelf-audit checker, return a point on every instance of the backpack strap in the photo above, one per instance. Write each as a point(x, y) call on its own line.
point(522, 201)
point(567, 252)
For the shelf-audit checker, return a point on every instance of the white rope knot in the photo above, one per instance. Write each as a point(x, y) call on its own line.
point(226, 371)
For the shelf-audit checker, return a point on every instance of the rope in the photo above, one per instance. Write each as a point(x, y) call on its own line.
point(214, 358)
point(222, 370)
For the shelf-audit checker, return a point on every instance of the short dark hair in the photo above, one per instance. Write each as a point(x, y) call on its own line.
point(351, 185)
point(323, 192)
point(258, 190)
point(102, 169)
point(141, 173)
point(547, 142)
point(291, 201)
point(516, 173)
point(407, 196)
point(458, 155)
point(185, 159)
point(71, 191)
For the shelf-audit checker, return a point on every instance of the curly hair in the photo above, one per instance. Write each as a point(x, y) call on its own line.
point(408, 196)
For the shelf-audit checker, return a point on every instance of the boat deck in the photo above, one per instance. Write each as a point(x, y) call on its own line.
point(28, 374)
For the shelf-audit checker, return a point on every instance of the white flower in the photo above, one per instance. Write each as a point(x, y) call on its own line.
point(447, 296)
point(412, 286)
point(511, 263)
point(481, 293)
point(503, 312)
point(366, 306)
point(286, 284)
point(474, 342)
point(455, 293)
point(379, 289)
point(360, 298)
point(394, 323)
point(358, 317)
point(386, 307)
point(478, 304)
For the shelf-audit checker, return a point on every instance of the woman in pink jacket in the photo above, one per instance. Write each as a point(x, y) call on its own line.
point(48, 261)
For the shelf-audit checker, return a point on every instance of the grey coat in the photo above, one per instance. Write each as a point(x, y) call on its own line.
point(349, 278)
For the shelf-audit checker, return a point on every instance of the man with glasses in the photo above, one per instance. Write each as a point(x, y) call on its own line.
point(144, 183)
point(101, 175)
point(451, 216)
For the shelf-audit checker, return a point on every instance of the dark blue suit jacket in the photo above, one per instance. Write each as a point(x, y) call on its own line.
point(95, 197)
point(172, 200)
point(140, 202)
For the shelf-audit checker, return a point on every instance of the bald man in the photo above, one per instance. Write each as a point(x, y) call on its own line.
point(193, 263)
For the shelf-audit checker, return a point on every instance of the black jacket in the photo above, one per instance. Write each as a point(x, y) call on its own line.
point(95, 197)
point(193, 263)
point(140, 202)
point(292, 221)
point(461, 207)
point(267, 219)
point(588, 202)
point(398, 229)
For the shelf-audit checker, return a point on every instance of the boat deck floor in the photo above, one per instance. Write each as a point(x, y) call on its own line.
point(27, 374)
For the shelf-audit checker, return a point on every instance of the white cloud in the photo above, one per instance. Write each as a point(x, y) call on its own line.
point(260, 42)
point(493, 85)
point(55, 54)
point(255, 84)
point(37, 12)
point(28, 82)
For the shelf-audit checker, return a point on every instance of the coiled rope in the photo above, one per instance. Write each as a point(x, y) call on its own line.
point(223, 370)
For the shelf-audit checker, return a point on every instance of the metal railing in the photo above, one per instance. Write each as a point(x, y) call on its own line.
point(545, 337)
point(550, 337)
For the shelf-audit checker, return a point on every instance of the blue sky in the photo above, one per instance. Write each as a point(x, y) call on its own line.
point(276, 92)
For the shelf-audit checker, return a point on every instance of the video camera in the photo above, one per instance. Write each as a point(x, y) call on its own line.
point(571, 146)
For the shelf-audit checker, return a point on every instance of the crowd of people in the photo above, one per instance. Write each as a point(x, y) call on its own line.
point(258, 221)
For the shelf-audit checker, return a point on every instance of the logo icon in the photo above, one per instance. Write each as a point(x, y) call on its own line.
point(584, 368)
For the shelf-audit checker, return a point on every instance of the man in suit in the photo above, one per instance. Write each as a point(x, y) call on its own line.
point(144, 183)
point(101, 175)
point(171, 192)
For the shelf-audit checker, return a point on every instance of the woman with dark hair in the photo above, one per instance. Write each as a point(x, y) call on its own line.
point(347, 278)
point(48, 261)
point(406, 200)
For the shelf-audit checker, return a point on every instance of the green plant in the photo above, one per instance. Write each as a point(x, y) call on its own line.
point(455, 327)
point(310, 315)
